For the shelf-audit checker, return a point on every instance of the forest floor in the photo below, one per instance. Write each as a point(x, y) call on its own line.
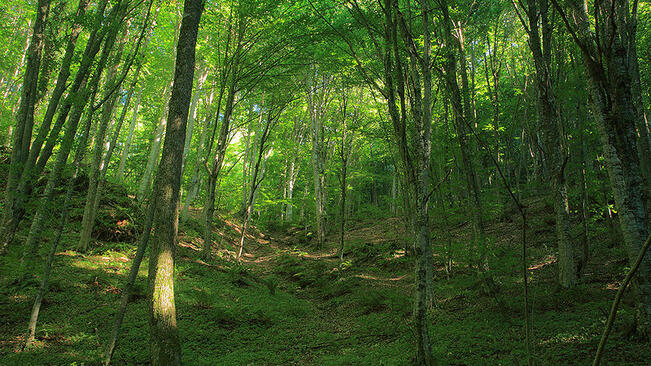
point(290, 304)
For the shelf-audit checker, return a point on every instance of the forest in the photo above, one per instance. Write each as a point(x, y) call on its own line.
point(325, 182)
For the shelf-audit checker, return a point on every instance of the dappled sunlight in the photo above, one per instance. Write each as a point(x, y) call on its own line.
point(392, 182)
point(549, 260)
point(566, 338)
point(376, 278)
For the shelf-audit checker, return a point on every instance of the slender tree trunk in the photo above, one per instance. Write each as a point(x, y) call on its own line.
point(291, 180)
point(554, 148)
point(92, 196)
point(88, 94)
point(203, 74)
point(415, 161)
point(22, 132)
point(317, 104)
point(79, 156)
point(344, 171)
point(421, 223)
point(301, 215)
point(14, 209)
point(195, 180)
point(132, 128)
point(208, 214)
point(128, 286)
point(584, 201)
point(154, 148)
point(245, 170)
point(9, 81)
point(165, 342)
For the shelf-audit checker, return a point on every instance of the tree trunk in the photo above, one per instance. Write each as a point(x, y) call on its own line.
point(316, 105)
point(87, 95)
point(22, 132)
point(554, 147)
point(132, 127)
point(421, 222)
point(154, 149)
point(344, 170)
point(195, 180)
point(415, 161)
point(203, 74)
point(128, 286)
point(291, 180)
point(94, 176)
point(609, 84)
point(164, 341)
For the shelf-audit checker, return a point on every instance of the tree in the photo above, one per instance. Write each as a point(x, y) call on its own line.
point(165, 342)
point(318, 99)
point(605, 52)
point(539, 30)
point(22, 134)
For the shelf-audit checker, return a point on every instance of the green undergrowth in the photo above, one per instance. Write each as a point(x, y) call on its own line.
point(300, 307)
point(303, 312)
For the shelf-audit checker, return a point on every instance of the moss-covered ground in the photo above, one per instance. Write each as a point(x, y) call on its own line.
point(288, 303)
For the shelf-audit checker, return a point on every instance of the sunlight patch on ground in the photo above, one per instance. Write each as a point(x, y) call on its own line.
point(375, 278)
point(551, 259)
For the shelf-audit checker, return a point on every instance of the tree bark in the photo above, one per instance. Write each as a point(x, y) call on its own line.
point(165, 342)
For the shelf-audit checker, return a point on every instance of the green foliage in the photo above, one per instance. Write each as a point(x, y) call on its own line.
point(291, 304)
